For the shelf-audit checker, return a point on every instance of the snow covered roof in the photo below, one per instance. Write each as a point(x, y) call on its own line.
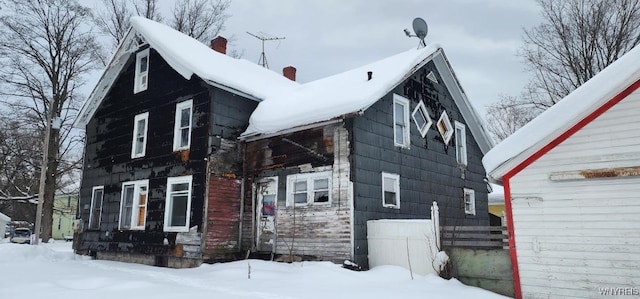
point(351, 92)
point(552, 123)
point(4, 218)
point(186, 56)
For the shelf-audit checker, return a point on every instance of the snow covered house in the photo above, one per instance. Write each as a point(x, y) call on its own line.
point(382, 141)
point(571, 182)
point(160, 183)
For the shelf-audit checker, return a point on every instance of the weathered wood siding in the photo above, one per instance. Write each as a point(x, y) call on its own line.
point(428, 169)
point(108, 159)
point(574, 237)
point(321, 231)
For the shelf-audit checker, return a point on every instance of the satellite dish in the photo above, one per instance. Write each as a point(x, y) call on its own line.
point(420, 28)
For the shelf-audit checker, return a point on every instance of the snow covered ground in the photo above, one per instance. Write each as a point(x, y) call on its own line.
point(52, 271)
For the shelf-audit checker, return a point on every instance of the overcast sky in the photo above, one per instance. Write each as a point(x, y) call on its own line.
point(479, 37)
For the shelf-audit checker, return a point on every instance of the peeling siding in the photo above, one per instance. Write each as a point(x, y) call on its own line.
point(580, 235)
point(223, 217)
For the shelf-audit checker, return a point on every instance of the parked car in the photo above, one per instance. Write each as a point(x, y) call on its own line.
point(21, 236)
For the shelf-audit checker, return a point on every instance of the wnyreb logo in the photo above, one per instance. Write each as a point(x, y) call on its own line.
point(620, 291)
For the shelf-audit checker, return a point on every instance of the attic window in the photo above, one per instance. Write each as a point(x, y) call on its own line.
point(400, 121)
point(444, 127)
point(141, 80)
point(431, 76)
point(422, 119)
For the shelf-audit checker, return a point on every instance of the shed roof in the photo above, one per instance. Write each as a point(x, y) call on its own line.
point(550, 126)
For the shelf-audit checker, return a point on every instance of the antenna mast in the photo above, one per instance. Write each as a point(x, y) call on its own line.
point(264, 37)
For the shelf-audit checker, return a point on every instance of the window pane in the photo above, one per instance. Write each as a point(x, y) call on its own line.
point(399, 134)
point(389, 184)
point(300, 186)
point(180, 187)
point(421, 121)
point(389, 198)
point(143, 63)
point(185, 116)
point(269, 205)
point(321, 184)
point(184, 137)
point(139, 143)
point(141, 126)
point(178, 210)
point(399, 113)
point(321, 196)
point(300, 198)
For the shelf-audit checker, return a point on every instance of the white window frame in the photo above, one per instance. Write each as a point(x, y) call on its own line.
point(469, 201)
point(422, 110)
point(310, 190)
point(136, 120)
point(444, 127)
point(141, 79)
point(133, 223)
point(169, 202)
point(461, 143)
point(399, 100)
point(177, 130)
point(396, 186)
point(95, 201)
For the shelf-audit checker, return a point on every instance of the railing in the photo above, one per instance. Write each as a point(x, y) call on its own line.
point(485, 237)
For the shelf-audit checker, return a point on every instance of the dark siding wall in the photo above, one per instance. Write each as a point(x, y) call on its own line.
point(428, 169)
point(108, 155)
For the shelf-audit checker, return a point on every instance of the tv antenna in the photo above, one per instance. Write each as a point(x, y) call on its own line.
point(264, 37)
point(420, 28)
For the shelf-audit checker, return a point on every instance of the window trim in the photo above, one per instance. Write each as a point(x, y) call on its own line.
point(135, 205)
point(136, 119)
point(447, 132)
point(461, 150)
point(177, 129)
point(397, 99)
point(138, 84)
point(172, 181)
point(472, 202)
point(309, 178)
point(420, 108)
point(91, 210)
point(396, 184)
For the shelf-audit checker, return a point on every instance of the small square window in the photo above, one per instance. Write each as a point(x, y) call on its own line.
point(422, 119)
point(469, 201)
point(182, 129)
point(461, 144)
point(141, 79)
point(309, 188)
point(445, 128)
point(390, 190)
point(400, 121)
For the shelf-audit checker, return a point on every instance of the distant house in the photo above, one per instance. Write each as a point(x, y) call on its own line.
point(4, 220)
point(571, 181)
point(64, 215)
point(382, 141)
point(160, 183)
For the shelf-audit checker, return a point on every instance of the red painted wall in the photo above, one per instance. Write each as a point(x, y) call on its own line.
point(223, 217)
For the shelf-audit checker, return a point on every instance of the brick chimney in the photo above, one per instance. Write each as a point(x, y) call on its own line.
point(289, 72)
point(219, 44)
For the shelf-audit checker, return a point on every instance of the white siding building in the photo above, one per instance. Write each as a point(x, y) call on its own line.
point(572, 190)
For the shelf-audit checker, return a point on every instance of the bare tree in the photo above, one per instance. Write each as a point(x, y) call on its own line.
point(200, 19)
point(114, 20)
point(507, 116)
point(577, 39)
point(47, 47)
point(148, 9)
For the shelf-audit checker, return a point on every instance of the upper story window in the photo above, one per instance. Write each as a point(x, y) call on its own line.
point(422, 119)
point(444, 127)
point(390, 190)
point(141, 80)
point(139, 142)
point(461, 143)
point(182, 129)
point(177, 212)
point(133, 205)
point(400, 121)
point(309, 188)
point(469, 201)
point(95, 213)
